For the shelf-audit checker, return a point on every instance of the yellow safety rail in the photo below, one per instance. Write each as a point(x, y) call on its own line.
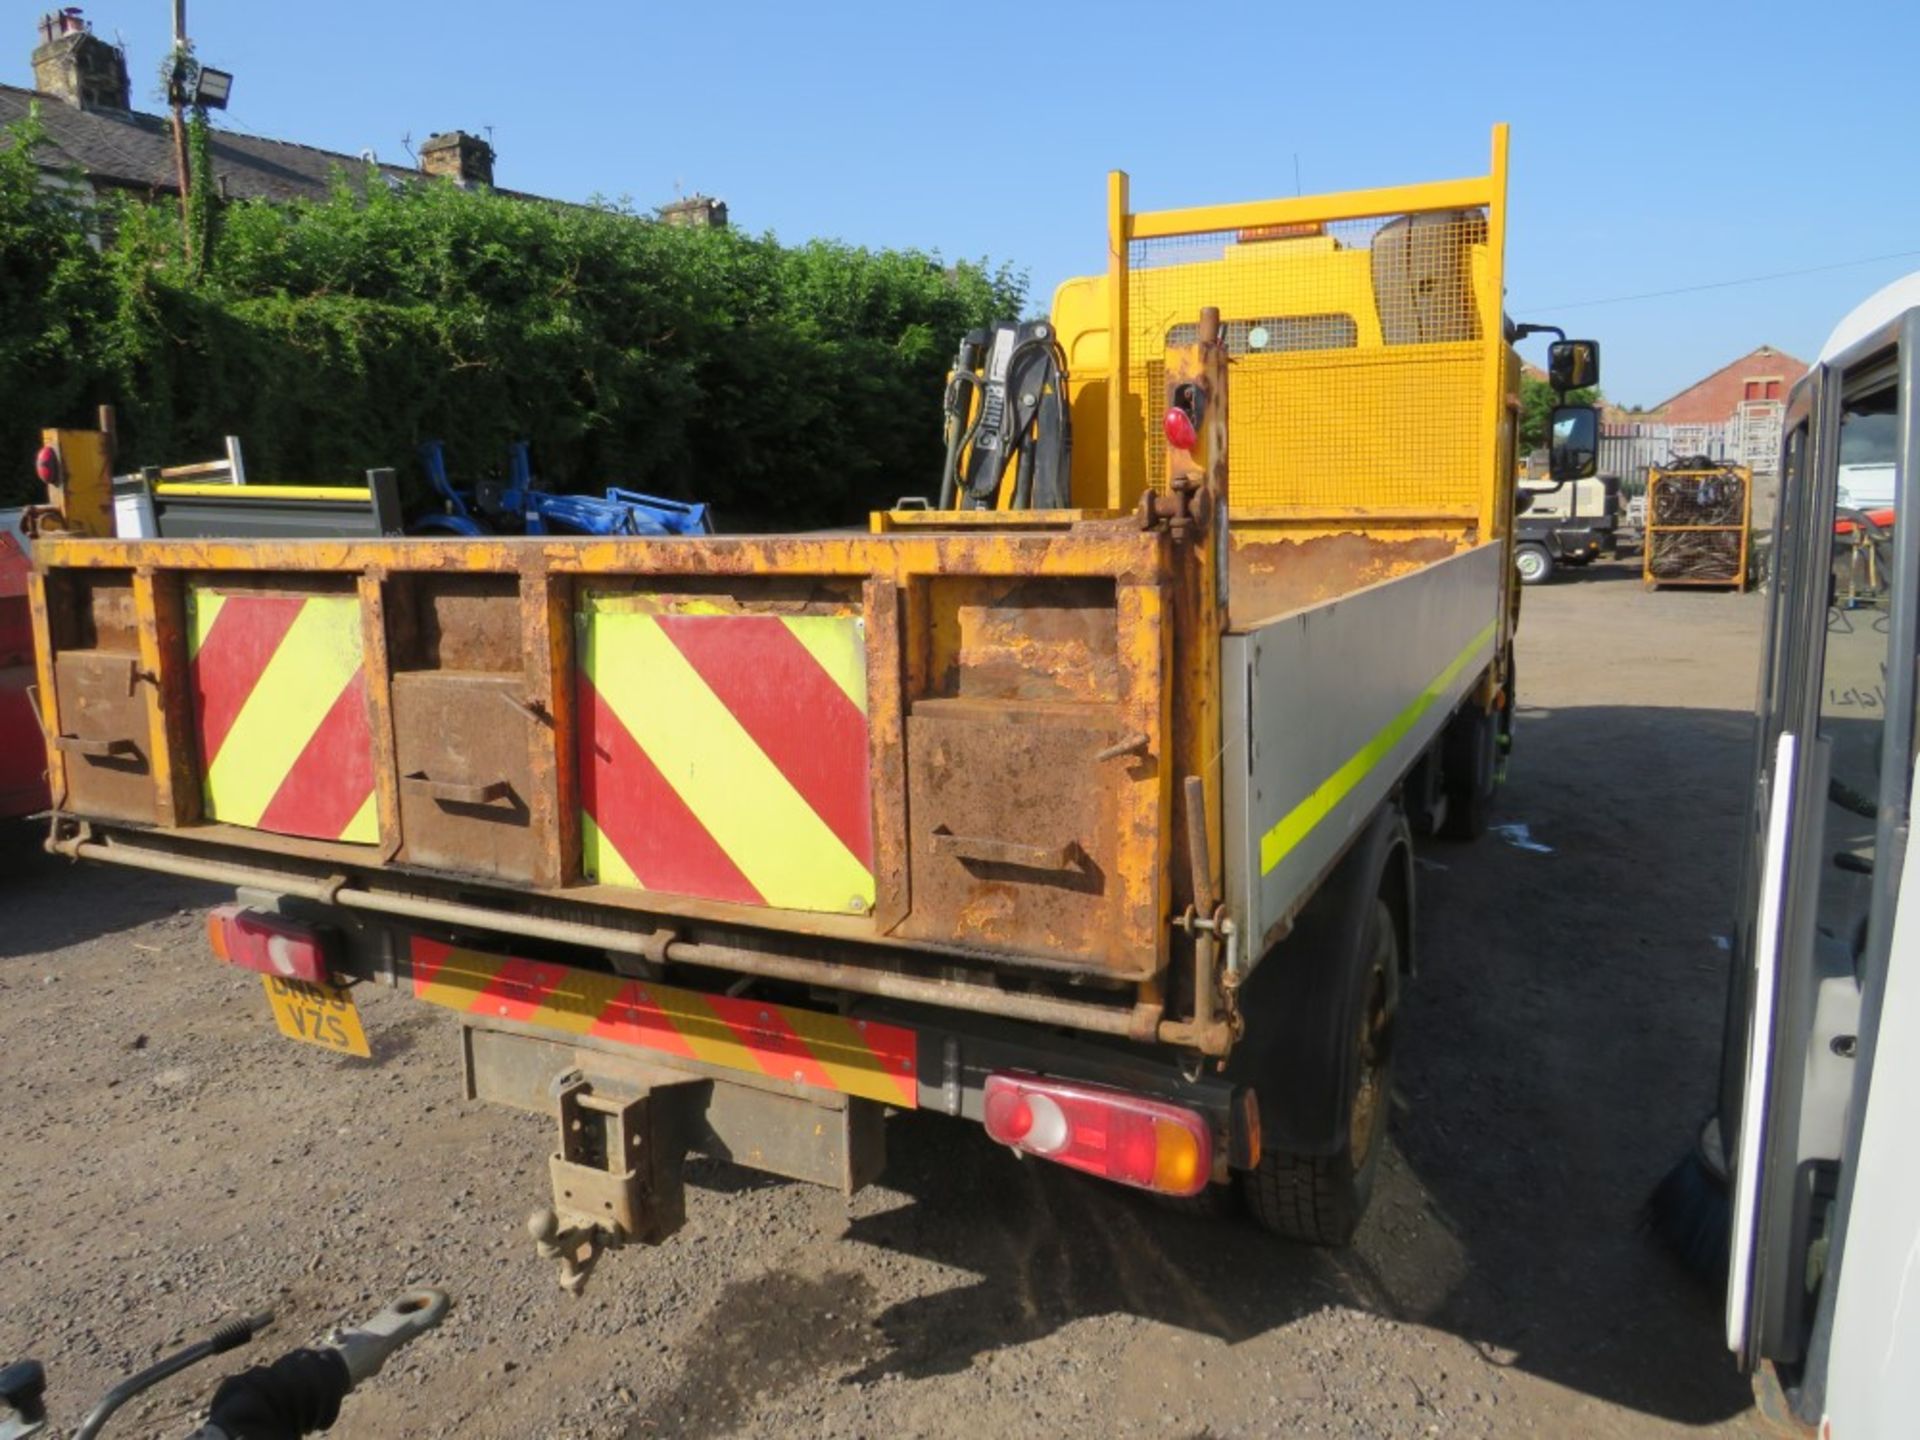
point(1371, 375)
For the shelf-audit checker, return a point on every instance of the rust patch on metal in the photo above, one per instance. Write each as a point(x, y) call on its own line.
point(1014, 833)
point(465, 787)
point(104, 734)
point(1041, 639)
point(886, 733)
point(1271, 577)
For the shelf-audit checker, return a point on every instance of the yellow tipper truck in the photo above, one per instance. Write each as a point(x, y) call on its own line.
point(1091, 825)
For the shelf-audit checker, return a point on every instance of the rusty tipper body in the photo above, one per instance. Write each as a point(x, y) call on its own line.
point(1091, 825)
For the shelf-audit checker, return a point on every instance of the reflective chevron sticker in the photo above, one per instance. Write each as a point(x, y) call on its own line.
point(725, 755)
point(280, 711)
point(784, 1042)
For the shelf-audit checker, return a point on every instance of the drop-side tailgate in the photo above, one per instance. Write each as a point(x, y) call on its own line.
point(907, 739)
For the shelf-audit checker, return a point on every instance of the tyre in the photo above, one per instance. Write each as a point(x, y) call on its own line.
point(1320, 1199)
point(1533, 562)
point(1469, 764)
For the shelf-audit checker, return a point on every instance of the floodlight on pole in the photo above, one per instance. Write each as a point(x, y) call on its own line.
point(211, 88)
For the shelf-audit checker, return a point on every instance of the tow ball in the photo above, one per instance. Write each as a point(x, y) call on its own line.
point(617, 1174)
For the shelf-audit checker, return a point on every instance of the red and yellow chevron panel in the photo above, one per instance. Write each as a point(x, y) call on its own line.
point(829, 1052)
point(725, 755)
point(280, 707)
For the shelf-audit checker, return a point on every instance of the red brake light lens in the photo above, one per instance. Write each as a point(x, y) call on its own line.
point(1150, 1144)
point(271, 944)
point(1179, 427)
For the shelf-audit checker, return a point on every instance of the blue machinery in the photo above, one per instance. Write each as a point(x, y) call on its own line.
point(520, 505)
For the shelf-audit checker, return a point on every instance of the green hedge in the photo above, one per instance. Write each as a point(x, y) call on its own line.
point(786, 385)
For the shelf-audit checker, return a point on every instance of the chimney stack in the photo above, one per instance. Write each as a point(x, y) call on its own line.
point(457, 156)
point(73, 64)
point(696, 212)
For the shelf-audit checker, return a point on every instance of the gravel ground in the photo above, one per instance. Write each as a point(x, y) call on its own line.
point(169, 1160)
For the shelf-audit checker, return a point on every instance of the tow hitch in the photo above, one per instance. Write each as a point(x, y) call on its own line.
point(617, 1174)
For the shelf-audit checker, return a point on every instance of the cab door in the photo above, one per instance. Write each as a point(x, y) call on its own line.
point(1829, 834)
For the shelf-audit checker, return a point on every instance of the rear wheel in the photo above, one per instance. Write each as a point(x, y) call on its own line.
point(1533, 562)
point(1320, 1199)
point(1469, 767)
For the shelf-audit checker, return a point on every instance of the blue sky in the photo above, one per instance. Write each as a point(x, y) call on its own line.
point(1654, 146)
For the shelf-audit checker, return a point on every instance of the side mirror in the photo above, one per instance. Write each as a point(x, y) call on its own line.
point(1575, 450)
point(1522, 501)
point(1573, 364)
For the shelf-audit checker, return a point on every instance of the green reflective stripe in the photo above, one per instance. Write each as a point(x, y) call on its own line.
point(1294, 827)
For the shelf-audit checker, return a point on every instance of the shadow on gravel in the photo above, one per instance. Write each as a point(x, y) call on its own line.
point(1559, 1048)
point(75, 901)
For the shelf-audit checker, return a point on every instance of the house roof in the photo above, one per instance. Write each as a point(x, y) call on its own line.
point(1769, 359)
point(133, 150)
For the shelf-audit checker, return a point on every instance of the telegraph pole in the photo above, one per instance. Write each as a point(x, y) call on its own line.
point(177, 97)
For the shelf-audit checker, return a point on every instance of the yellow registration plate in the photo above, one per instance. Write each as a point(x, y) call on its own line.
point(322, 1015)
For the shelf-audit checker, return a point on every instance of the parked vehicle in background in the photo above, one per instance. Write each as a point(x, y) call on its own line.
point(23, 766)
point(1568, 514)
point(1089, 825)
point(1570, 523)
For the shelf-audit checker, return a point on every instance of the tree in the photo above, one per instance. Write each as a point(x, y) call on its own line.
point(789, 386)
point(1536, 409)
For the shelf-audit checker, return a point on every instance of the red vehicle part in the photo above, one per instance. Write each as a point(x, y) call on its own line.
point(268, 943)
point(1146, 1143)
point(23, 754)
point(1882, 517)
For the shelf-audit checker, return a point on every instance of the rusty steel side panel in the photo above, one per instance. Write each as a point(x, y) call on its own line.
point(1004, 618)
point(160, 611)
point(1014, 833)
point(1030, 639)
point(546, 627)
point(464, 756)
point(1097, 548)
point(104, 734)
point(886, 727)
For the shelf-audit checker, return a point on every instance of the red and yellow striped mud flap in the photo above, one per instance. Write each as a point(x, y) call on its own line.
point(725, 755)
point(783, 1042)
point(280, 709)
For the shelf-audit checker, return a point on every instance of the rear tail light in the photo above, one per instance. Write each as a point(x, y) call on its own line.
point(271, 944)
point(1147, 1143)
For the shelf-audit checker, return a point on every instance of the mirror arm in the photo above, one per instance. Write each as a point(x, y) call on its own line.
point(1521, 332)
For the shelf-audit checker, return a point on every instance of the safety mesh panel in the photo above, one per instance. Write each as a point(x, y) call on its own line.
point(1359, 367)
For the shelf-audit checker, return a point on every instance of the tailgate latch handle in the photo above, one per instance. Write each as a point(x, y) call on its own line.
point(1134, 744)
point(453, 792)
point(95, 749)
point(1006, 852)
